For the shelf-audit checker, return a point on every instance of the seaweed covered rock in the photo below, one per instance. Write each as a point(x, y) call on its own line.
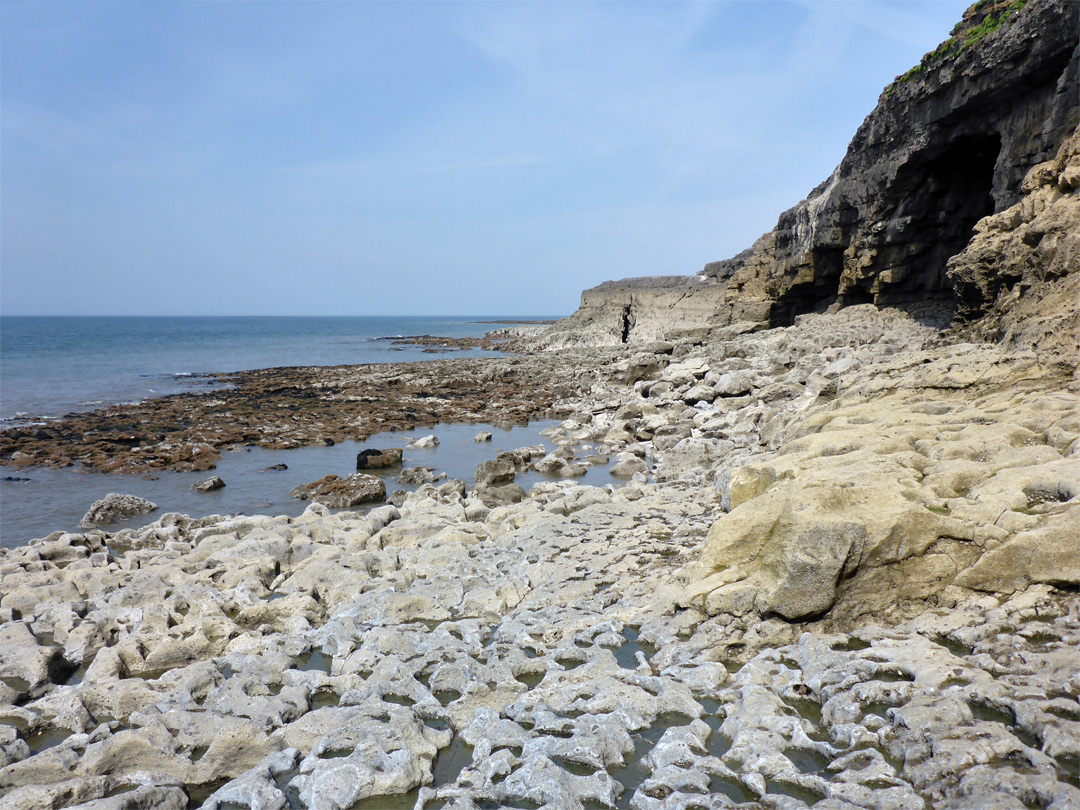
point(341, 493)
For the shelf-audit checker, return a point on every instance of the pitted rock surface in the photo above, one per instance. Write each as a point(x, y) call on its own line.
point(847, 582)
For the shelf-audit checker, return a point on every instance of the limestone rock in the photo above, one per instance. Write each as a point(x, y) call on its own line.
point(1017, 279)
point(495, 472)
point(499, 495)
point(875, 504)
point(342, 493)
point(637, 310)
point(115, 507)
point(733, 384)
point(209, 485)
point(419, 475)
point(627, 465)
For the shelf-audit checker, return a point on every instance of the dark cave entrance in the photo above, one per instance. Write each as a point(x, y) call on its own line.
point(933, 204)
point(940, 196)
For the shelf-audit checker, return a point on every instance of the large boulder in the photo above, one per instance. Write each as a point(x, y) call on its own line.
point(342, 493)
point(882, 505)
point(115, 507)
point(788, 550)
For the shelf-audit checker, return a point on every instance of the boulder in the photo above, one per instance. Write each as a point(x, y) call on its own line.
point(372, 459)
point(499, 495)
point(733, 384)
point(699, 393)
point(521, 457)
point(549, 464)
point(787, 551)
point(209, 484)
point(341, 493)
point(667, 436)
point(419, 475)
point(495, 472)
point(483, 436)
point(627, 465)
point(423, 443)
point(114, 507)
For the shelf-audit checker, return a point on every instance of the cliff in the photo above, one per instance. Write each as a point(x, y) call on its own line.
point(638, 309)
point(950, 142)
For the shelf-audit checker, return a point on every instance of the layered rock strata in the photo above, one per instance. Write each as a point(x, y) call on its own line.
point(636, 310)
point(949, 152)
point(1021, 270)
point(948, 144)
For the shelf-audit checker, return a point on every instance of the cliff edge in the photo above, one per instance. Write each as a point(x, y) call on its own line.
point(958, 138)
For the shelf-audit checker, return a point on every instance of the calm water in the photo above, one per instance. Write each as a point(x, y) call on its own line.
point(52, 366)
point(57, 499)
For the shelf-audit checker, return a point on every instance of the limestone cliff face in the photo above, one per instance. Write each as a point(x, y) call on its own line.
point(638, 309)
point(949, 143)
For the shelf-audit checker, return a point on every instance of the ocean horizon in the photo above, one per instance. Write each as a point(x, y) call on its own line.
point(54, 365)
point(51, 365)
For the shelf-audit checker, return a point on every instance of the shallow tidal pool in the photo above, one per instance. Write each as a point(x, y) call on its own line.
point(54, 500)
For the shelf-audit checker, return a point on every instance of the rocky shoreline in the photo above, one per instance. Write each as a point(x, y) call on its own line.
point(602, 647)
point(285, 408)
point(843, 571)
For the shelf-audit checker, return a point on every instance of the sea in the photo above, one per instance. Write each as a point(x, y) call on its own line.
point(51, 366)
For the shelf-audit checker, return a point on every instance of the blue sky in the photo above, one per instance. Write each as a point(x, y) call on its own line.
point(362, 158)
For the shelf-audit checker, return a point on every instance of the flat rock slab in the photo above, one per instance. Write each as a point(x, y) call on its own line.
point(341, 493)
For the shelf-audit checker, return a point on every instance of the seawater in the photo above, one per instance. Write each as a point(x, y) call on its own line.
point(55, 500)
point(52, 366)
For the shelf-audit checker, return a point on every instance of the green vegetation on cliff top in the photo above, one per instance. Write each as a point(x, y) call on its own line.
point(962, 39)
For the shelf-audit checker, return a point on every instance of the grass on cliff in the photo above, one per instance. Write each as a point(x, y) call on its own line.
point(961, 39)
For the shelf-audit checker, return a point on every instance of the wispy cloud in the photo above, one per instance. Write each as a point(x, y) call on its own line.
point(486, 156)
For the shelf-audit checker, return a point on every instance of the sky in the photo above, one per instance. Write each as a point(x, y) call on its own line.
point(215, 157)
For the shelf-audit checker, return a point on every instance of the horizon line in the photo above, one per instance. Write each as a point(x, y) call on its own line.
point(274, 315)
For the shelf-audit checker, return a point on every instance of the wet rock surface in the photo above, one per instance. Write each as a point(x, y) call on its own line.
point(285, 408)
point(115, 507)
point(210, 484)
point(378, 459)
point(911, 503)
point(342, 493)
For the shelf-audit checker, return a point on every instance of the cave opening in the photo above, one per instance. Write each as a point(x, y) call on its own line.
point(940, 194)
point(931, 209)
